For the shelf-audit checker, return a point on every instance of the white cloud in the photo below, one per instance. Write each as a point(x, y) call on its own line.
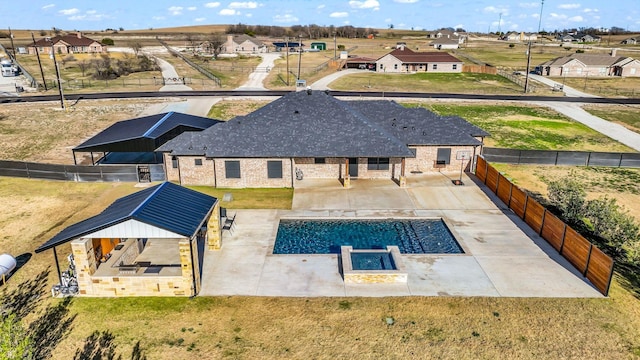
point(200, 19)
point(243, 5)
point(346, 22)
point(367, 4)
point(513, 26)
point(387, 20)
point(339, 14)
point(69, 11)
point(212, 4)
point(286, 18)
point(248, 15)
point(557, 16)
point(589, 10)
point(192, 8)
point(321, 6)
point(496, 10)
point(459, 26)
point(158, 18)
point(228, 12)
point(569, 6)
point(175, 10)
point(577, 18)
point(529, 5)
point(91, 12)
point(406, 1)
point(48, 6)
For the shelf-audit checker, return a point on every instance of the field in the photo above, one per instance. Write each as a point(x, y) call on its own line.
point(606, 87)
point(625, 115)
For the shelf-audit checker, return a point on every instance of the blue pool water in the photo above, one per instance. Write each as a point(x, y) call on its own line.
point(372, 261)
point(424, 236)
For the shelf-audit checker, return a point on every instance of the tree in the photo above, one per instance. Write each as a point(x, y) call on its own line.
point(108, 41)
point(214, 44)
point(614, 225)
point(83, 66)
point(15, 343)
point(136, 46)
point(569, 197)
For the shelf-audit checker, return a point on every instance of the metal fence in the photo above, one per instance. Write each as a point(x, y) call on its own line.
point(587, 258)
point(553, 157)
point(202, 70)
point(107, 173)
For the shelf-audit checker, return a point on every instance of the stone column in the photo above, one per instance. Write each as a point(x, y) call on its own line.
point(402, 181)
point(85, 261)
point(214, 232)
point(186, 264)
point(346, 181)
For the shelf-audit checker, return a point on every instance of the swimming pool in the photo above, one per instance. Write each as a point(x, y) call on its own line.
point(415, 236)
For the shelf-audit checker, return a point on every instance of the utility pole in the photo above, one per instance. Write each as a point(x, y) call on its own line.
point(55, 63)
point(39, 63)
point(500, 26)
point(299, 54)
point(526, 78)
point(335, 48)
point(13, 48)
point(286, 39)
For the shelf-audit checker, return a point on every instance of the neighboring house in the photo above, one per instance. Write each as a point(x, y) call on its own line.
point(567, 38)
point(445, 43)
point(314, 135)
point(521, 36)
point(580, 65)
point(360, 62)
point(319, 46)
point(589, 39)
point(629, 41)
point(404, 60)
point(67, 44)
point(243, 44)
point(448, 34)
point(150, 243)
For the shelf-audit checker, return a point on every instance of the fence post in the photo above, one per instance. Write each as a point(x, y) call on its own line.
point(586, 268)
point(564, 234)
point(544, 214)
point(588, 159)
point(526, 203)
point(620, 162)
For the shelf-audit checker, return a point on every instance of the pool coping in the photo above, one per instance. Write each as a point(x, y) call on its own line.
point(358, 276)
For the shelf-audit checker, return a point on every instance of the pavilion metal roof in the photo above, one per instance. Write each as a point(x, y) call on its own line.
point(167, 206)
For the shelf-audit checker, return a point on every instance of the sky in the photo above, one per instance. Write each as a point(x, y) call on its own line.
point(472, 15)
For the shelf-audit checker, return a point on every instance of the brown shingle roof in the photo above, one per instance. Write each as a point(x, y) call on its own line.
point(587, 59)
point(407, 56)
point(71, 39)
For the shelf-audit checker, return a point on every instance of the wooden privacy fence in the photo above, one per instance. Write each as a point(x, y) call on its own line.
point(594, 264)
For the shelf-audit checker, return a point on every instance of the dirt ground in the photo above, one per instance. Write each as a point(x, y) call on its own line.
point(43, 132)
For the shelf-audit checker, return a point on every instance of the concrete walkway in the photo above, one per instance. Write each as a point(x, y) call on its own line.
point(323, 84)
point(503, 257)
point(568, 91)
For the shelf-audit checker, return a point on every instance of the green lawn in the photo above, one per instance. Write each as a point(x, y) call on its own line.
point(466, 83)
point(528, 127)
point(280, 198)
point(627, 116)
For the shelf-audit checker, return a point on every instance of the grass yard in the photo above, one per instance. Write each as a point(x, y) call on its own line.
point(275, 328)
point(607, 87)
point(228, 109)
point(528, 127)
point(625, 115)
point(251, 198)
point(233, 72)
point(465, 83)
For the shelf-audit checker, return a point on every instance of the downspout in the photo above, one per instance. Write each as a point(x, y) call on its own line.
point(55, 256)
point(215, 176)
point(292, 174)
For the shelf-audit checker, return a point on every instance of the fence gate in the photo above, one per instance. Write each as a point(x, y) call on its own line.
point(144, 173)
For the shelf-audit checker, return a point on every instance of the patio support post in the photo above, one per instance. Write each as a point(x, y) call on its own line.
point(214, 232)
point(75, 162)
point(403, 179)
point(92, 161)
point(55, 256)
point(346, 181)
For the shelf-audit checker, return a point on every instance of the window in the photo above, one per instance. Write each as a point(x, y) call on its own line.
point(455, 66)
point(174, 162)
point(378, 164)
point(435, 66)
point(444, 156)
point(319, 161)
point(198, 162)
point(274, 169)
point(232, 169)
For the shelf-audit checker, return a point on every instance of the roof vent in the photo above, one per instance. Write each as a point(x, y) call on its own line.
point(296, 112)
point(424, 133)
point(190, 147)
point(204, 148)
point(404, 128)
point(326, 91)
point(308, 90)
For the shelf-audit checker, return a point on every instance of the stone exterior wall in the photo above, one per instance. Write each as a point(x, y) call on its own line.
point(374, 278)
point(192, 174)
point(632, 69)
point(333, 168)
point(172, 174)
point(424, 162)
point(253, 174)
point(118, 285)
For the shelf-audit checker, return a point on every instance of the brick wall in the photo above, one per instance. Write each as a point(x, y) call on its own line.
point(427, 155)
point(253, 173)
point(173, 174)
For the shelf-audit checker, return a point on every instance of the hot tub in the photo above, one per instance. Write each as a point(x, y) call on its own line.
point(372, 266)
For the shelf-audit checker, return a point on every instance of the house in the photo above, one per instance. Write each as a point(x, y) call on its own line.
point(567, 38)
point(134, 141)
point(589, 39)
point(445, 43)
point(521, 36)
point(319, 46)
point(404, 60)
point(290, 45)
point(311, 134)
point(581, 65)
point(150, 243)
point(448, 34)
point(629, 41)
point(243, 44)
point(67, 44)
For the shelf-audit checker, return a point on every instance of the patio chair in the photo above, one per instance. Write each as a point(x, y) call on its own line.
point(229, 223)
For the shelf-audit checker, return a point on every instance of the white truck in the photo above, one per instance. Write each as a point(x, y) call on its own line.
point(7, 67)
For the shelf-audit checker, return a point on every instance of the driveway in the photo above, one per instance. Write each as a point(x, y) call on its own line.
point(256, 78)
point(503, 257)
point(323, 84)
point(568, 91)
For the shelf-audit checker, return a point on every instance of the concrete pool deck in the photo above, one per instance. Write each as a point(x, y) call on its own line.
point(503, 256)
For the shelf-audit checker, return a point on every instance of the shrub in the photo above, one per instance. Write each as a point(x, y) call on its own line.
point(579, 51)
point(512, 45)
point(568, 197)
point(107, 41)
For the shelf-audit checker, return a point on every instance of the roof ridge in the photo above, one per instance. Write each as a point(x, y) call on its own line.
point(135, 211)
point(158, 123)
